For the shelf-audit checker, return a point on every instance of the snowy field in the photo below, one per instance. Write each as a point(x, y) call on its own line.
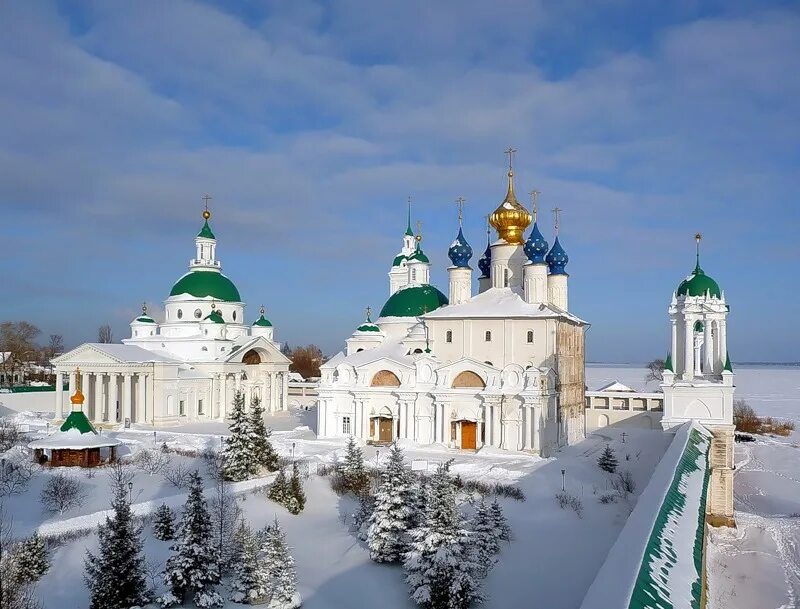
point(554, 555)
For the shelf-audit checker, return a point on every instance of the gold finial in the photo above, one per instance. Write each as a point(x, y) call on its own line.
point(535, 203)
point(213, 305)
point(557, 217)
point(419, 231)
point(206, 198)
point(510, 218)
point(460, 205)
point(77, 397)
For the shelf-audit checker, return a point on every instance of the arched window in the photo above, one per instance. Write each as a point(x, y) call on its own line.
point(468, 379)
point(198, 313)
point(385, 378)
point(417, 350)
point(234, 315)
point(530, 336)
point(488, 336)
point(449, 336)
point(251, 358)
point(180, 313)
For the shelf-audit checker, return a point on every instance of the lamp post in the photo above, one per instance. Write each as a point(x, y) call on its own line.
point(130, 492)
point(292, 451)
point(623, 437)
point(377, 454)
point(563, 480)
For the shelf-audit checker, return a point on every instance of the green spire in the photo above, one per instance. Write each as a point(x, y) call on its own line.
point(728, 365)
point(206, 231)
point(668, 363)
point(409, 232)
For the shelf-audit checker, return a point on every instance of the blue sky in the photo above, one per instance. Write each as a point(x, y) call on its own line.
point(310, 123)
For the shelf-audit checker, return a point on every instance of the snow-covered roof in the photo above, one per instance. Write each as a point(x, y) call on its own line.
point(615, 385)
point(391, 349)
point(74, 439)
point(125, 353)
point(500, 302)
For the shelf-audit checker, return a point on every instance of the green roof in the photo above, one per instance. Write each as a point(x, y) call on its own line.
point(368, 327)
point(206, 283)
point(668, 363)
point(728, 365)
point(413, 301)
point(398, 259)
point(145, 319)
point(698, 284)
point(216, 317)
point(206, 231)
point(77, 420)
point(263, 322)
point(419, 255)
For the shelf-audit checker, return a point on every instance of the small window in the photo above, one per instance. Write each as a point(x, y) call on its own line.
point(198, 313)
point(449, 336)
point(530, 336)
point(413, 274)
point(505, 277)
point(488, 336)
point(234, 315)
point(417, 350)
point(182, 408)
point(180, 313)
point(346, 426)
point(200, 407)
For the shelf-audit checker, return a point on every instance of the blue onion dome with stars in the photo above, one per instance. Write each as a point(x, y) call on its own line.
point(557, 259)
point(536, 246)
point(485, 261)
point(460, 251)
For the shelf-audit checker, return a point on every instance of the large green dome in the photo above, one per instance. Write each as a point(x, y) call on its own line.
point(201, 284)
point(413, 301)
point(697, 284)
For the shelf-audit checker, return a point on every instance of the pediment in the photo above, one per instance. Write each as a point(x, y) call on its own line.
point(85, 354)
point(269, 351)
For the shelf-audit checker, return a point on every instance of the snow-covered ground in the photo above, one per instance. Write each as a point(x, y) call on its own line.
point(554, 555)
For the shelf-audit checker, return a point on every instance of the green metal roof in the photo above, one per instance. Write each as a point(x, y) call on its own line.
point(206, 283)
point(728, 365)
point(419, 255)
point(77, 420)
point(216, 317)
point(413, 301)
point(698, 283)
point(368, 327)
point(206, 231)
point(145, 319)
point(263, 322)
point(398, 259)
point(668, 363)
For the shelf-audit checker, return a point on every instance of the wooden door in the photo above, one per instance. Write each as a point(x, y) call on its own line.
point(469, 435)
point(385, 430)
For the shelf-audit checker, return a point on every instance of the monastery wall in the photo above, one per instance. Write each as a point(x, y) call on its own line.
point(571, 380)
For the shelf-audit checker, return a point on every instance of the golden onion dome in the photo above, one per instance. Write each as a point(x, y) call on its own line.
point(510, 219)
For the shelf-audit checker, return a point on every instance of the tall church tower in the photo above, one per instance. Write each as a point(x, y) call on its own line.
point(399, 274)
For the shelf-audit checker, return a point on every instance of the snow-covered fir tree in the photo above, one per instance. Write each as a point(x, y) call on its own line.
point(485, 541)
point(282, 575)
point(502, 530)
point(354, 474)
point(250, 579)
point(608, 460)
point(439, 569)
point(238, 454)
point(389, 523)
point(116, 575)
point(32, 560)
point(366, 503)
point(419, 501)
point(279, 489)
point(193, 569)
point(164, 523)
point(263, 452)
point(296, 499)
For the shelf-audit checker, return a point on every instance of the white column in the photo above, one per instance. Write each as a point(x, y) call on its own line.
point(527, 437)
point(487, 417)
point(99, 397)
point(284, 391)
point(112, 398)
point(127, 396)
point(264, 392)
point(272, 405)
point(708, 366)
point(537, 417)
point(723, 338)
point(365, 420)
point(141, 408)
point(674, 352)
point(688, 357)
point(71, 384)
point(59, 408)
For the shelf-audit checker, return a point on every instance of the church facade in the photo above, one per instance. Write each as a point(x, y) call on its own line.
point(188, 367)
point(502, 368)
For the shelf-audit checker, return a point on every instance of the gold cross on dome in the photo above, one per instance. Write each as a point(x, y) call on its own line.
point(511, 152)
point(419, 230)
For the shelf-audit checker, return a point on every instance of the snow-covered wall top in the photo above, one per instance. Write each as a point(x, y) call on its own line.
point(657, 559)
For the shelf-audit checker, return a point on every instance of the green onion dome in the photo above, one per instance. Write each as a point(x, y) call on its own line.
point(699, 284)
point(263, 322)
point(413, 301)
point(202, 284)
point(418, 255)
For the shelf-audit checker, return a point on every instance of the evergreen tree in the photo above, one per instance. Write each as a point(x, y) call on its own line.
point(282, 575)
point(116, 575)
point(164, 523)
point(439, 568)
point(32, 560)
point(193, 568)
point(608, 460)
point(250, 580)
point(296, 500)
point(238, 461)
point(391, 517)
point(419, 501)
point(366, 504)
point(263, 452)
point(279, 489)
point(502, 530)
point(485, 539)
point(352, 470)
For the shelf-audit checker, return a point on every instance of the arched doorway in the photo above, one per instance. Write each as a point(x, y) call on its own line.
point(251, 358)
point(382, 427)
point(385, 378)
point(468, 379)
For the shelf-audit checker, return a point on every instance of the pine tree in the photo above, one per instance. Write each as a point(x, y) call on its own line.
point(250, 580)
point(279, 489)
point(419, 501)
point(116, 575)
point(352, 470)
point(392, 514)
point(32, 560)
point(282, 574)
point(193, 568)
point(164, 523)
point(608, 460)
point(439, 568)
point(485, 539)
point(296, 500)
point(366, 504)
point(502, 530)
point(238, 461)
point(263, 452)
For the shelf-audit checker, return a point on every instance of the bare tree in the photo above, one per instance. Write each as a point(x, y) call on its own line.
point(15, 474)
point(55, 346)
point(178, 475)
point(152, 461)
point(17, 347)
point(306, 361)
point(9, 435)
point(120, 474)
point(62, 492)
point(104, 334)
point(225, 512)
point(655, 371)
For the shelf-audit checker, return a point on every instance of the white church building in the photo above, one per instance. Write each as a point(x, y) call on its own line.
point(188, 367)
point(503, 367)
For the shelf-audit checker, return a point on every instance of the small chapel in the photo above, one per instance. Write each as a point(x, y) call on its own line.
point(187, 367)
point(503, 367)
